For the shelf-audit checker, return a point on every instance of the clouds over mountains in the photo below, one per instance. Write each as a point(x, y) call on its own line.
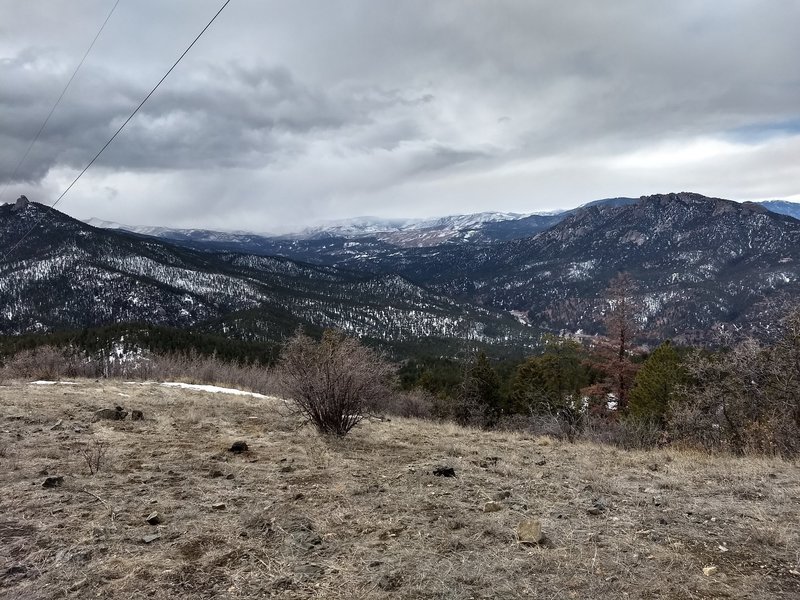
point(296, 112)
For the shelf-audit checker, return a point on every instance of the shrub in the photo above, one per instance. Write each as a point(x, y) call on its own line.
point(333, 383)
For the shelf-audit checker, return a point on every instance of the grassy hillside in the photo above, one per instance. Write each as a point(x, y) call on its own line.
point(363, 517)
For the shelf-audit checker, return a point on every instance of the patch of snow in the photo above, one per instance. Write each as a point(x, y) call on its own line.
point(212, 389)
point(43, 382)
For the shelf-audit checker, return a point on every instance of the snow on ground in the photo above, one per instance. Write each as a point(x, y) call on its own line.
point(212, 389)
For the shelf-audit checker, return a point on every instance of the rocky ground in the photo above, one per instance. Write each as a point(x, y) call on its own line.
point(171, 512)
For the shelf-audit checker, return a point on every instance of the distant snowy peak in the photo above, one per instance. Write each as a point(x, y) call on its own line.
point(374, 226)
point(199, 235)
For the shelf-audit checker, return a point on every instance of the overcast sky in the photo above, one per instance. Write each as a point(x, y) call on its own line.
point(290, 112)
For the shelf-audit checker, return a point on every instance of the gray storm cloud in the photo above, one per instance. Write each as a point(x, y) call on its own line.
point(288, 113)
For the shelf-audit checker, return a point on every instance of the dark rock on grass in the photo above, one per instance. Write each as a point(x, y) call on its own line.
point(137, 415)
point(238, 447)
point(53, 482)
point(110, 414)
point(390, 581)
point(310, 570)
point(154, 518)
point(444, 471)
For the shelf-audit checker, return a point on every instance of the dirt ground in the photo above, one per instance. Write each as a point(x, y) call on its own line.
point(298, 516)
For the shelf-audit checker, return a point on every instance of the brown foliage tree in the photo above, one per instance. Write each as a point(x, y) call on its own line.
point(611, 356)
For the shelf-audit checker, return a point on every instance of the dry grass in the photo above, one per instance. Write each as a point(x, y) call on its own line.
point(363, 517)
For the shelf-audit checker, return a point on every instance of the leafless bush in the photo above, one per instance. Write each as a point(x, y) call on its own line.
point(333, 383)
point(746, 401)
point(416, 403)
point(628, 433)
point(195, 368)
point(93, 454)
point(48, 362)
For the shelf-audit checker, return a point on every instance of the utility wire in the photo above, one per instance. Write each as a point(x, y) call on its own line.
point(118, 131)
point(58, 101)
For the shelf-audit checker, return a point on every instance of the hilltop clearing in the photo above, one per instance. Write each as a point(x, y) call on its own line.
point(298, 516)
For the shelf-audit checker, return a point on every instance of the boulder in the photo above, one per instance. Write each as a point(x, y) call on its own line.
point(529, 531)
point(109, 414)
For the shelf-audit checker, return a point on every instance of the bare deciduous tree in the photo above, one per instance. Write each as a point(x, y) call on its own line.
point(612, 355)
point(334, 382)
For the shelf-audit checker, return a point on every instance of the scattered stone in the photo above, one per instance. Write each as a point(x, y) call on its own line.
point(541, 463)
point(663, 521)
point(502, 495)
point(109, 414)
point(149, 539)
point(238, 447)
point(492, 506)
point(287, 469)
point(299, 496)
point(390, 581)
point(58, 425)
point(489, 461)
point(710, 570)
point(218, 506)
point(16, 570)
point(215, 474)
point(154, 518)
point(653, 466)
point(53, 482)
point(282, 583)
point(444, 471)
point(311, 570)
point(229, 476)
point(137, 415)
point(529, 531)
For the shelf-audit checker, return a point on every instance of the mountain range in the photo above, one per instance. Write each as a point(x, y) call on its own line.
point(701, 264)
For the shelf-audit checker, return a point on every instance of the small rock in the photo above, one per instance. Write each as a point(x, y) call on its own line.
point(282, 583)
point(287, 469)
point(238, 447)
point(502, 495)
point(710, 570)
point(53, 482)
point(109, 414)
point(390, 581)
point(299, 496)
point(489, 461)
point(311, 570)
point(58, 425)
point(137, 415)
point(218, 506)
point(149, 539)
point(153, 518)
point(492, 506)
point(594, 510)
point(529, 531)
point(443, 471)
point(541, 463)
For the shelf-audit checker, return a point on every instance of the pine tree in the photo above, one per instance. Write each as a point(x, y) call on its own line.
point(655, 384)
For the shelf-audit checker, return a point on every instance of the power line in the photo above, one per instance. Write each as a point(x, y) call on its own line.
point(118, 131)
point(58, 101)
